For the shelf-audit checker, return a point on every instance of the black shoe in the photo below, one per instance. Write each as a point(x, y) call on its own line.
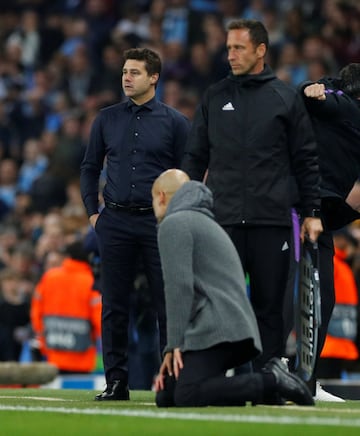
point(116, 390)
point(288, 385)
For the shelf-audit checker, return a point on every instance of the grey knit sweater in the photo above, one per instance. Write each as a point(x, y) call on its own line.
point(206, 301)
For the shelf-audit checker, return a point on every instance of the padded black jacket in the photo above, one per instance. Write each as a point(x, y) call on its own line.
point(254, 136)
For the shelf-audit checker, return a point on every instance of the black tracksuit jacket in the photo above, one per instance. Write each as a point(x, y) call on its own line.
point(336, 124)
point(254, 136)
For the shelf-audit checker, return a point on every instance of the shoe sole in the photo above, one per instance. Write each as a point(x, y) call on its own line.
point(111, 399)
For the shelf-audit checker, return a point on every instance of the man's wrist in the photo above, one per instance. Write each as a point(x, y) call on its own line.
point(312, 213)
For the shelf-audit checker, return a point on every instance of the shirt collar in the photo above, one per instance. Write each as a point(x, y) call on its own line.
point(149, 105)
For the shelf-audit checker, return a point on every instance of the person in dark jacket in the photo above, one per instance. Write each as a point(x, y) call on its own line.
point(140, 138)
point(14, 315)
point(334, 108)
point(253, 135)
point(211, 326)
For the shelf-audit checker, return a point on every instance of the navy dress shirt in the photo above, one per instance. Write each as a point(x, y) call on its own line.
point(139, 143)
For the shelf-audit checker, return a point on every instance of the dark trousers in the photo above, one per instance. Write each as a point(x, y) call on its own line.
point(265, 254)
point(327, 287)
point(202, 381)
point(327, 293)
point(123, 237)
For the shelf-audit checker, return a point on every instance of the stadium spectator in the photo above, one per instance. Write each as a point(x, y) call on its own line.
point(48, 191)
point(26, 38)
point(14, 315)
point(69, 151)
point(8, 181)
point(33, 166)
point(9, 239)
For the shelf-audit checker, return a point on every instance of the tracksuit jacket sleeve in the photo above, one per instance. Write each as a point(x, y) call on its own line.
point(176, 250)
point(336, 103)
point(196, 157)
point(304, 158)
point(181, 133)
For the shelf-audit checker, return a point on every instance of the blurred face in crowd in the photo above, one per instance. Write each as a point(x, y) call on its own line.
point(8, 172)
point(137, 83)
point(243, 56)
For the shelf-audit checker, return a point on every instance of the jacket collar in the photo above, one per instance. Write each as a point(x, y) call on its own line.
point(249, 79)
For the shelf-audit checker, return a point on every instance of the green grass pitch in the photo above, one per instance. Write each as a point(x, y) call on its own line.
point(69, 412)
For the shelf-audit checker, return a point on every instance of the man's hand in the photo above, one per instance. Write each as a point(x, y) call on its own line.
point(177, 362)
point(93, 219)
point(316, 91)
point(165, 368)
point(171, 365)
point(312, 227)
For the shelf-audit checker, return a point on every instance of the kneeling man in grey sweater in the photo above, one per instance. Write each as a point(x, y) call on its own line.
point(211, 326)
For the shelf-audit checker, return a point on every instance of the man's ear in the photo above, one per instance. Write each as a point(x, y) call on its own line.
point(261, 50)
point(162, 197)
point(154, 78)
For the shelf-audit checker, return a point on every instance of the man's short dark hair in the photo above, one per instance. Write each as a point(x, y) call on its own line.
point(76, 251)
point(350, 80)
point(152, 59)
point(257, 31)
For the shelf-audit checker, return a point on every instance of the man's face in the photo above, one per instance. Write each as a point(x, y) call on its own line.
point(136, 82)
point(243, 56)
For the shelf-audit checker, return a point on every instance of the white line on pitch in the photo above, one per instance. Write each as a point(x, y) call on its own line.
point(256, 419)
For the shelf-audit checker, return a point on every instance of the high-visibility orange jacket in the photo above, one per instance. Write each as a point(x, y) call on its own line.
point(66, 316)
point(339, 343)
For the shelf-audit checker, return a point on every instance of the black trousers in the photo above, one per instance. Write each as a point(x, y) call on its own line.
point(202, 381)
point(327, 287)
point(265, 253)
point(124, 236)
point(327, 293)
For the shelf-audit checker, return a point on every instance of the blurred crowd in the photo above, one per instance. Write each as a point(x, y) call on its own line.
point(61, 61)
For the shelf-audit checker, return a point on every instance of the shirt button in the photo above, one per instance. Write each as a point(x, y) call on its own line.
point(133, 186)
point(138, 118)
point(134, 151)
point(133, 168)
point(136, 134)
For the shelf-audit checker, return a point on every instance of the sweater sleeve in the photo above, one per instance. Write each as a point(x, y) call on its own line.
point(176, 252)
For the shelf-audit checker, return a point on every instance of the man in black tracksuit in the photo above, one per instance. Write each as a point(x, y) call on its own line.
point(253, 135)
point(334, 107)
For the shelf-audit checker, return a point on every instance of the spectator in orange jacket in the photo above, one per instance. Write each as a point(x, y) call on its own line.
point(340, 347)
point(66, 313)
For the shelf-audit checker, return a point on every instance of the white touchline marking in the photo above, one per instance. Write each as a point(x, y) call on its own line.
point(33, 398)
point(256, 419)
point(143, 403)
